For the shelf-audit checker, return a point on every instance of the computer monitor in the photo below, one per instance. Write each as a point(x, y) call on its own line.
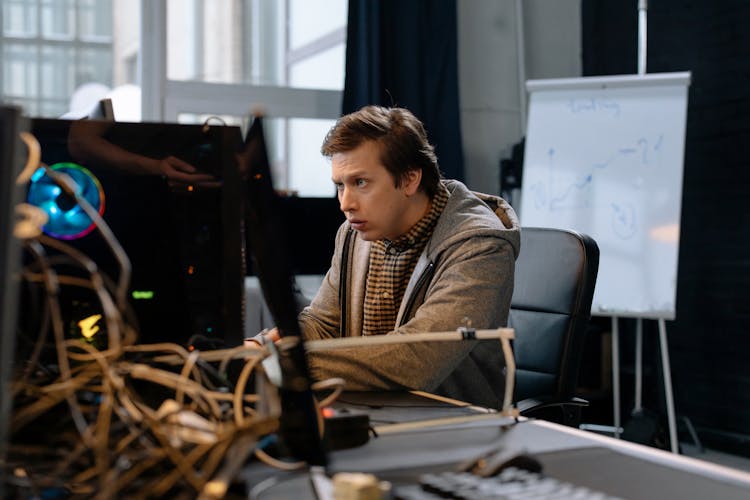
point(11, 124)
point(270, 254)
point(305, 220)
point(183, 238)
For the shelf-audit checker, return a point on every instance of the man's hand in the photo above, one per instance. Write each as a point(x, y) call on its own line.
point(263, 338)
point(273, 335)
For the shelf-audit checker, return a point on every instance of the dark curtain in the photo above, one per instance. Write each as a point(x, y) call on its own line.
point(404, 53)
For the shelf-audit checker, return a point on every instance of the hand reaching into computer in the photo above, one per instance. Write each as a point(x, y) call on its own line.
point(179, 172)
point(264, 337)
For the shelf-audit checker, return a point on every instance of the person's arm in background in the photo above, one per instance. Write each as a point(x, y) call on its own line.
point(87, 144)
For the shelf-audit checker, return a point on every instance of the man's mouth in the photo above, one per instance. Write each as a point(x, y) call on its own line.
point(357, 224)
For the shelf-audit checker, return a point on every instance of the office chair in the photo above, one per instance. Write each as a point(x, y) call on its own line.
point(550, 310)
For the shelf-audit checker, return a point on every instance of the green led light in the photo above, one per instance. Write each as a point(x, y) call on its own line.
point(143, 294)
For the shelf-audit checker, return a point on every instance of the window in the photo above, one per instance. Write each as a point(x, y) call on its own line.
point(51, 48)
point(285, 58)
point(186, 60)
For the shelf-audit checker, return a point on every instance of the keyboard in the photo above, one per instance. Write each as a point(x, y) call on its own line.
point(510, 483)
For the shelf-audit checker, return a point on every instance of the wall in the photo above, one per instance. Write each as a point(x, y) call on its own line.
point(496, 53)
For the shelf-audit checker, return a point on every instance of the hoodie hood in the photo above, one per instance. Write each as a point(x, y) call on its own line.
point(469, 214)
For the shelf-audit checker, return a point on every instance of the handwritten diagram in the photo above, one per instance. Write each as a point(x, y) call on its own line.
point(557, 188)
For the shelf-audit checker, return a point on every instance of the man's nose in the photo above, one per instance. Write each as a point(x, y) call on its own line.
point(347, 200)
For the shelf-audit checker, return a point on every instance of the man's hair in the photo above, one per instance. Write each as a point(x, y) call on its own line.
point(401, 138)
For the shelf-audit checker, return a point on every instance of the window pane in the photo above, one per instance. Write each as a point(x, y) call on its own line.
point(126, 41)
point(19, 71)
point(264, 43)
point(204, 40)
point(73, 46)
point(276, 140)
point(57, 71)
point(221, 53)
point(95, 19)
point(58, 18)
point(307, 73)
point(182, 40)
point(309, 171)
point(19, 18)
point(251, 45)
point(53, 107)
point(95, 65)
point(312, 20)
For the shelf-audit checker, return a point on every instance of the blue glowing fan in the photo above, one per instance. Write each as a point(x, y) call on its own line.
point(67, 220)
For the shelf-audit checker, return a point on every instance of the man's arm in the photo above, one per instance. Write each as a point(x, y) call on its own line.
point(322, 318)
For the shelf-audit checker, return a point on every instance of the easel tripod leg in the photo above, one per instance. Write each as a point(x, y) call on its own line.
point(616, 375)
point(668, 386)
point(638, 366)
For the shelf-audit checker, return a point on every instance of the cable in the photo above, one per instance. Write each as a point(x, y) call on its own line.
point(71, 189)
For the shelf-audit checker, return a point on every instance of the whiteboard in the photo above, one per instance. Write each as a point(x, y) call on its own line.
point(604, 156)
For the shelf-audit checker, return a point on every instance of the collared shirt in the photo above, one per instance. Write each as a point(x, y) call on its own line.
point(391, 266)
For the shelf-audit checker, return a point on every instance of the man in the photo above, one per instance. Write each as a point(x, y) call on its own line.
point(416, 254)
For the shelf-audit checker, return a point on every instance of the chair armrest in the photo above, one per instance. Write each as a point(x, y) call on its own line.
point(543, 407)
point(531, 404)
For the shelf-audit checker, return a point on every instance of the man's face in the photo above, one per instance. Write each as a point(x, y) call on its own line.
point(372, 203)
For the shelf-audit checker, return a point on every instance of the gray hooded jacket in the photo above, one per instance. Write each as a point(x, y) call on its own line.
point(465, 272)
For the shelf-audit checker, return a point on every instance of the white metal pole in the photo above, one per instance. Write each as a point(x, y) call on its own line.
point(521, 61)
point(668, 385)
point(642, 36)
point(638, 365)
point(616, 375)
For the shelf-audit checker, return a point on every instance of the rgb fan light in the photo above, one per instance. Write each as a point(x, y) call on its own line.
point(67, 220)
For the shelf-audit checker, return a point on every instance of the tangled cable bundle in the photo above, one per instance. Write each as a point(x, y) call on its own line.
point(114, 442)
point(128, 419)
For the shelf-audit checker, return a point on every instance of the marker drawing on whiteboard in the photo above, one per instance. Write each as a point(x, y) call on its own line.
point(657, 146)
point(568, 198)
point(623, 220)
point(539, 189)
point(594, 105)
point(555, 190)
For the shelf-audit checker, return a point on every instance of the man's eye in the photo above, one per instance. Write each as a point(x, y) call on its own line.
point(339, 186)
point(361, 182)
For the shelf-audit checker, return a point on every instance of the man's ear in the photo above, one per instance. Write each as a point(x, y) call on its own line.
point(411, 181)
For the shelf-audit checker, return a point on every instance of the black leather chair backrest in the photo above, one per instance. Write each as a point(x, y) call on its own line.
point(550, 310)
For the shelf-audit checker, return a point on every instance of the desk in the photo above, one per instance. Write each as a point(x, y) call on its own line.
point(601, 463)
